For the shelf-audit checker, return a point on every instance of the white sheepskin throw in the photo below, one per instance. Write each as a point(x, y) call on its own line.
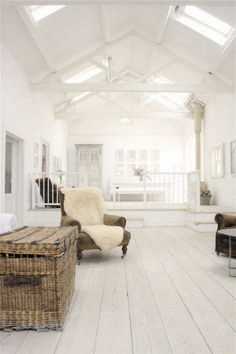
point(84, 204)
point(105, 237)
point(87, 206)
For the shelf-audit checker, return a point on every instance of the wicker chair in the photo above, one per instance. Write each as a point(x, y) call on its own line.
point(85, 241)
point(224, 221)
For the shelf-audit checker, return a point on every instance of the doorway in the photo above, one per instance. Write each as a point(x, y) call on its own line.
point(89, 164)
point(14, 177)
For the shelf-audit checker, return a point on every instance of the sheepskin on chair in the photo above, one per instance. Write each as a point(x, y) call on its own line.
point(87, 206)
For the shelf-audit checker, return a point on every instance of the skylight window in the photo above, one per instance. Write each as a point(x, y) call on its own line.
point(204, 23)
point(161, 80)
point(39, 12)
point(79, 97)
point(84, 75)
point(172, 100)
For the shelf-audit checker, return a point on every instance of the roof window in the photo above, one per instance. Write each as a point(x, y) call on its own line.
point(204, 23)
point(40, 12)
point(84, 75)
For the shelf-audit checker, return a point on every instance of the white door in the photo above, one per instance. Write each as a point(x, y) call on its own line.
point(89, 165)
point(13, 178)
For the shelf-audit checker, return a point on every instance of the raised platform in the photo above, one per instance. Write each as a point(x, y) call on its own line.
point(139, 214)
point(156, 214)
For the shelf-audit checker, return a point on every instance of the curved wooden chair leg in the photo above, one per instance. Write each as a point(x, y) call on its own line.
point(79, 255)
point(124, 250)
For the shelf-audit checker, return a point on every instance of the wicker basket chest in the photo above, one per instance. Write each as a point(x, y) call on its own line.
point(37, 269)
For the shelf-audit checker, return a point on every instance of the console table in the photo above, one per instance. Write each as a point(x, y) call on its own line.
point(230, 233)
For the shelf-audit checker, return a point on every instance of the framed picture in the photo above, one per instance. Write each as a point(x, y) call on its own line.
point(233, 157)
point(130, 169)
point(154, 155)
point(217, 161)
point(119, 155)
point(36, 155)
point(131, 155)
point(36, 149)
point(119, 170)
point(142, 155)
point(44, 156)
point(36, 161)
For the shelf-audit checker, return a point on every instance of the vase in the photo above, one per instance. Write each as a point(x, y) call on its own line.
point(205, 199)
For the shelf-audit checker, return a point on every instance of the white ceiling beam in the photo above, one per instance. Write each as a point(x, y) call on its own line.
point(88, 57)
point(168, 115)
point(125, 87)
point(165, 15)
point(112, 71)
point(192, 66)
point(33, 33)
point(122, 2)
point(173, 53)
point(105, 24)
point(224, 53)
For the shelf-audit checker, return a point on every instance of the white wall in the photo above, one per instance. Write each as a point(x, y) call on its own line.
point(149, 134)
point(220, 127)
point(29, 117)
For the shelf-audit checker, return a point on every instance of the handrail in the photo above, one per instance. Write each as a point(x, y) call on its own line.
point(161, 187)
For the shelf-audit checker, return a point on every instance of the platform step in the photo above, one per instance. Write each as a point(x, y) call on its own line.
point(204, 226)
point(135, 222)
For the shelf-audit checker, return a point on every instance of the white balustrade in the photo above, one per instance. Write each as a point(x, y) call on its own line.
point(158, 187)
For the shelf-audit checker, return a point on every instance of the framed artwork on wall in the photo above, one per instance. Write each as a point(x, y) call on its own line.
point(44, 156)
point(142, 155)
point(154, 155)
point(119, 155)
point(36, 155)
point(130, 170)
point(217, 161)
point(233, 157)
point(119, 170)
point(131, 155)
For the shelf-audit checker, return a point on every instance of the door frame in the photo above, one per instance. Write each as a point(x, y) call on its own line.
point(18, 166)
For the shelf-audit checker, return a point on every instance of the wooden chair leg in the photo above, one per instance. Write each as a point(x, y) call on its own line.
point(79, 255)
point(124, 250)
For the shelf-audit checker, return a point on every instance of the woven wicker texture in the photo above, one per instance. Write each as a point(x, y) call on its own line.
point(37, 269)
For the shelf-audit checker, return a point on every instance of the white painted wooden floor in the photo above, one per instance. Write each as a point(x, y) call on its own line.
point(171, 294)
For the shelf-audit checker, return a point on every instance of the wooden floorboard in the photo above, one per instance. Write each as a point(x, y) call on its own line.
point(171, 294)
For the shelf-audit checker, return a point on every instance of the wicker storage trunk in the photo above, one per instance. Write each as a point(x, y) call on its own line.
point(37, 269)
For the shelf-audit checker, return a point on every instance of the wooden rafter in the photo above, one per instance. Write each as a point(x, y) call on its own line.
point(126, 87)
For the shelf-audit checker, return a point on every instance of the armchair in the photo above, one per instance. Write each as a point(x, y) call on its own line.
point(85, 208)
point(224, 221)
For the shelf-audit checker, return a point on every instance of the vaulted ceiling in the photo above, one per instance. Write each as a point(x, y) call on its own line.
point(147, 64)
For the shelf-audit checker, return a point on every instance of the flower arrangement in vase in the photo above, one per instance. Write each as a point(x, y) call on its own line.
point(205, 195)
point(141, 173)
